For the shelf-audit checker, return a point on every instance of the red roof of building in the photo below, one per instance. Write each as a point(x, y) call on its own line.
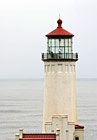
point(39, 136)
point(59, 31)
point(79, 126)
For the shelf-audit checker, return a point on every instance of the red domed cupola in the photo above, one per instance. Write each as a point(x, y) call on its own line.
point(59, 21)
point(59, 31)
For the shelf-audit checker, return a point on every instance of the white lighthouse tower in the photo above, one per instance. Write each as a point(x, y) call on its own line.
point(59, 82)
point(60, 112)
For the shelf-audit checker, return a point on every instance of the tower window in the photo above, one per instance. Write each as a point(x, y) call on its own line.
point(53, 42)
point(61, 42)
point(66, 42)
point(70, 42)
point(57, 42)
point(66, 49)
point(76, 138)
point(50, 42)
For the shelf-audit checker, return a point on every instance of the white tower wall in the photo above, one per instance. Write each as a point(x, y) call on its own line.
point(59, 90)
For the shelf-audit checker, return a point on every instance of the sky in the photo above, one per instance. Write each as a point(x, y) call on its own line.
point(24, 24)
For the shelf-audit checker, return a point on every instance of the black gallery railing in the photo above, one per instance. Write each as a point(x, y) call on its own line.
point(56, 56)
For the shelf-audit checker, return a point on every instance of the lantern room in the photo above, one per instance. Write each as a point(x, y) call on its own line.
point(59, 45)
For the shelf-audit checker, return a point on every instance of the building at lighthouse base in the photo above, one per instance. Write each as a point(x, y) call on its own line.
point(58, 129)
point(64, 129)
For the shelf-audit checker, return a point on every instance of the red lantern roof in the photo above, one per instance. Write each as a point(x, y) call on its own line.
point(59, 31)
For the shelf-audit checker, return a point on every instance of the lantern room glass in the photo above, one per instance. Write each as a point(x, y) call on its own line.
point(63, 45)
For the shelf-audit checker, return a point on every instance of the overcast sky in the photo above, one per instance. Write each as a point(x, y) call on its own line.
point(23, 25)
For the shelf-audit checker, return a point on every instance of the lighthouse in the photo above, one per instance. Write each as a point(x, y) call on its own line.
point(60, 110)
point(59, 75)
point(59, 81)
